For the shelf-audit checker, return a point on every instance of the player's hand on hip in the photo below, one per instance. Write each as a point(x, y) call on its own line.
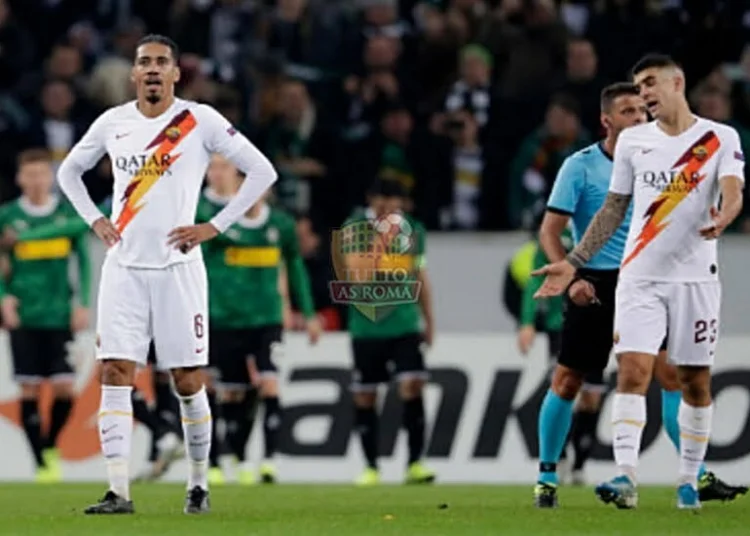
point(526, 336)
point(106, 231)
point(582, 293)
point(187, 237)
point(79, 320)
point(719, 224)
point(9, 310)
point(314, 329)
point(558, 277)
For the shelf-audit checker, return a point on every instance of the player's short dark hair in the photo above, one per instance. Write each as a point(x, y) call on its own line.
point(161, 40)
point(33, 156)
point(653, 60)
point(613, 91)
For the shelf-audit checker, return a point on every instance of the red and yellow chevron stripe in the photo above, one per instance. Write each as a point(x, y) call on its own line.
point(692, 161)
point(156, 165)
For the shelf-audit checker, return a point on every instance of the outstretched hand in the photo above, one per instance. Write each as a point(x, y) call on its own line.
point(558, 276)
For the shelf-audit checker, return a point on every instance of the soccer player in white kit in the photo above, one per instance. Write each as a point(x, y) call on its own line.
point(153, 282)
point(674, 169)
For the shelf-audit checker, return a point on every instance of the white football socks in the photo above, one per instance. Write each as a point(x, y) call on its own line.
point(695, 429)
point(196, 425)
point(115, 435)
point(628, 420)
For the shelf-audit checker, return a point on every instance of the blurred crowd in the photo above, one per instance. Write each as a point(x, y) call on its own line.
point(470, 104)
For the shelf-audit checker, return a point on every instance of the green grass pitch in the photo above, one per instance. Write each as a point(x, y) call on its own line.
point(29, 509)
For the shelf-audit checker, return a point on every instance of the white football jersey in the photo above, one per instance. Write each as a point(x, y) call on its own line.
point(674, 181)
point(158, 166)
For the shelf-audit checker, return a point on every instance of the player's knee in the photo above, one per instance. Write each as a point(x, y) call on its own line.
point(634, 373)
point(29, 391)
point(410, 388)
point(269, 387)
point(118, 372)
point(666, 375)
point(566, 382)
point(365, 399)
point(589, 401)
point(188, 381)
point(695, 383)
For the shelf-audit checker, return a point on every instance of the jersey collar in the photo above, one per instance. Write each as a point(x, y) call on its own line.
point(215, 198)
point(257, 222)
point(38, 210)
point(604, 151)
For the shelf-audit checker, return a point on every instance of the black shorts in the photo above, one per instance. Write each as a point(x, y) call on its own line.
point(231, 349)
point(592, 380)
point(376, 361)
point(588, 331)
point(40, 353)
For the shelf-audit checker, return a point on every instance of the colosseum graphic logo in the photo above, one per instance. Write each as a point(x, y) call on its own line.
point(375, 262)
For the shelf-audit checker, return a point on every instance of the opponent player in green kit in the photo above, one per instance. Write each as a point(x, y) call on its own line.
point(36, 305)
point(245, 313)
point(392, 346)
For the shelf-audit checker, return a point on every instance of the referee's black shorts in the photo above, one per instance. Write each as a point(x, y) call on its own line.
point(588, 330)
point(587, 334)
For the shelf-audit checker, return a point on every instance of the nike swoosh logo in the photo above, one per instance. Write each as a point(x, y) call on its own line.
point(646, 151)
point(199, 350)
point(105, 431)
point(119, 136)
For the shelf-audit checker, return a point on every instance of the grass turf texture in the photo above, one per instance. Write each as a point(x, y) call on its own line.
point(30, 509)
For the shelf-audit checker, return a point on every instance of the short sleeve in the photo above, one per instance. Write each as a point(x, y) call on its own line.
point(731, 158)
point(622, 168)
point(567, 187)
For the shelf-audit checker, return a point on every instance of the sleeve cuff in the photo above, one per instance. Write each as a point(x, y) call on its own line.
point(218, 225)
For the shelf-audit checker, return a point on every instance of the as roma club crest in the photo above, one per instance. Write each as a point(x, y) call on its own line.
point(700, 153)
point(173, 133)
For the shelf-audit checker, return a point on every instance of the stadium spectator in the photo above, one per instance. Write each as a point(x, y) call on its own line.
point(534, 168)
point(301, 148)
point(16, 48)
point(472, 91)
point(58, 125)
point(64, 63)
point(500, 60)
point(583, 82)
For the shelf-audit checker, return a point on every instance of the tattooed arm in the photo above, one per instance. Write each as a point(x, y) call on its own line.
point(601, 228)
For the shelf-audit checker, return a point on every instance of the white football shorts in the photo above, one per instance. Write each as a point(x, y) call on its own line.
point(687, 313)
point(168, 304)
